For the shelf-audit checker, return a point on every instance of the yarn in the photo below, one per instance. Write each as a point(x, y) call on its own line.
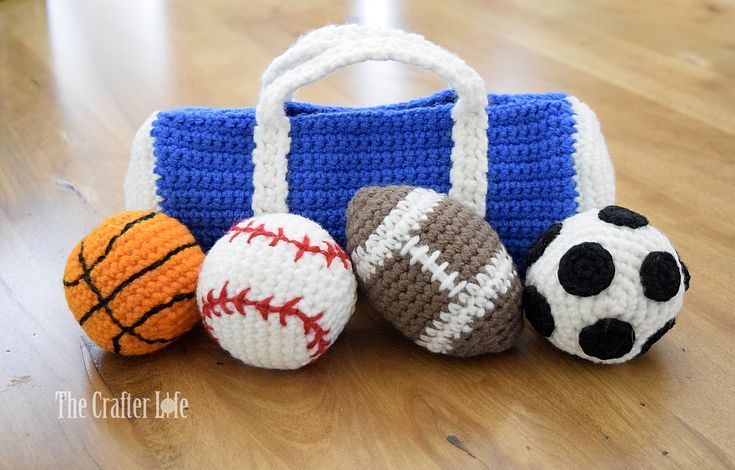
point(130, 282)
point(468, 172)
point(203, 169)
point(604, 285)
point(435, 270)
point(623, 217)
point(607, 339)
point(538, 248)
point(685, 271)
point(275, 291)
point(521, 161)
point(657, 336)
point(660, 276)
point(586, 269)
point(538, 311)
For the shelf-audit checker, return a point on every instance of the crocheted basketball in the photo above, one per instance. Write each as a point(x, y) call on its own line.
point(276, 291)
point(436, 271)
point(604, 285)
point(130, 282)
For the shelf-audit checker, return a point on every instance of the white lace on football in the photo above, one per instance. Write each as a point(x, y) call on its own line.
point(317, 41)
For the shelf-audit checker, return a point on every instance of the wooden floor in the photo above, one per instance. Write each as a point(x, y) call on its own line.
point(77, 77)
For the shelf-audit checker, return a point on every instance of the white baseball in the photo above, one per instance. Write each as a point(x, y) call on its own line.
point(276, 291)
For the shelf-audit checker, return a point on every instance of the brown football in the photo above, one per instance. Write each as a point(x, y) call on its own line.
point(435, 270)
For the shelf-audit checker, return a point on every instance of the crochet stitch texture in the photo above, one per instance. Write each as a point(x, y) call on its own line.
point(130, 282)
point(203, 167)
point(604, 285)
point(276, 291)
point(435, 270)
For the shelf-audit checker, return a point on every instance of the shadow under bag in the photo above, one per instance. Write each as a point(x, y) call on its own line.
point(520, 161)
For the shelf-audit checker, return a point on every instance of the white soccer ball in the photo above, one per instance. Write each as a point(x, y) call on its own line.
point(604, 285)
point(276, 291)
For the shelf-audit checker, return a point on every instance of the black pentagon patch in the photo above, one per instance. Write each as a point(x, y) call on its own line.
point(660, 276)
point(657, 336)
point(538, 311)
point(607, 339)
point(687, 276)
point(586, 269)
point(622, 217)
point(540, 245)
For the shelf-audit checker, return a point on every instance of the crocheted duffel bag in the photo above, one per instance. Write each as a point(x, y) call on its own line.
point(520, 161)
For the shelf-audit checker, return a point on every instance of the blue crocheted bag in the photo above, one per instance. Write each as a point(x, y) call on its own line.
point(522, 161)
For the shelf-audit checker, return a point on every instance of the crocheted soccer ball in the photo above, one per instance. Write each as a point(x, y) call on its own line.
point(435, 270)
point(130, 283)
point(604, 285)
point(276, 291)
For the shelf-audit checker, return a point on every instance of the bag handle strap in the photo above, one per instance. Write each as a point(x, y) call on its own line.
point(320, 40)
point(468, 175)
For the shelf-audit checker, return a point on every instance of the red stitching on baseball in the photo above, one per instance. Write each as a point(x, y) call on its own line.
point(208, 329)
point(332, 252)
point(264, 307)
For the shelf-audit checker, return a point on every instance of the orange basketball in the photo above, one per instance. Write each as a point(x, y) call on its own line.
point(131, 282)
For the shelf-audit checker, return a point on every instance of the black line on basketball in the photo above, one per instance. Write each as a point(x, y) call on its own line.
point(88, 280)
point(112, 241)
point(104, 302)
point(160, 307)
point(116, 342)
point(161, 340)
point(151, 312)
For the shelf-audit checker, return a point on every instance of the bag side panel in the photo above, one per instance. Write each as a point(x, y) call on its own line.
point(140, 186)
point(595, 176)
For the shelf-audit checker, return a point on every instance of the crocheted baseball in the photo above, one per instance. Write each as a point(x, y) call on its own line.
point(436, 271)
point(130, 283)
point(276, 290)
point(604, 285)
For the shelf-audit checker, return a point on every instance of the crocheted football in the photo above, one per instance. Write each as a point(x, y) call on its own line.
point(130, 283)
point(276, 291)
point(435, 270)
point(604, 285)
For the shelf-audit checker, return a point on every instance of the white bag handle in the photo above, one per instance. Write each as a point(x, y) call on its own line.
point(319, 40)
point(468, 175)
